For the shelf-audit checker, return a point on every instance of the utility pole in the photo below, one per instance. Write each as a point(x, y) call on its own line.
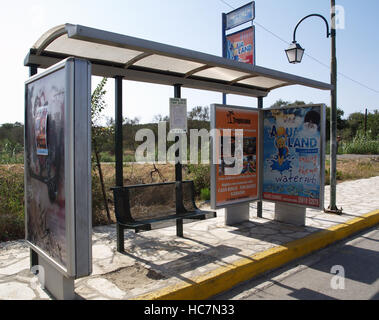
point(333, 116)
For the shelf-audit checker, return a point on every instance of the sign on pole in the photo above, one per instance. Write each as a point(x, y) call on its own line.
point(240, 186)
point(240, 16)
point(240, 46)
point(178, 115)
point(294, 157)
point(57, 166)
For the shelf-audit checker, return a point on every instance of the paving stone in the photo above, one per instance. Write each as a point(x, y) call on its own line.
point(207, 246)
point(106, 287)
point(16, 291)
point(15, 267)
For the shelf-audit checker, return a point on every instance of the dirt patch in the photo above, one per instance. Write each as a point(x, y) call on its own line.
point(132, 277)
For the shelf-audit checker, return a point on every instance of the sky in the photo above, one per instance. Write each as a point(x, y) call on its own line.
point(196, 25)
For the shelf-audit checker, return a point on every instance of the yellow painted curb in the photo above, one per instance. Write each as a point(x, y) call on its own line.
point(224, 278)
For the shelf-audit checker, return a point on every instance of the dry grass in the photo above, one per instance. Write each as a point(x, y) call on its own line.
point(12, 188)
point(354, 169)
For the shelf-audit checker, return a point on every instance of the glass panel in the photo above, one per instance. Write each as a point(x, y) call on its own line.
point(168, 64)
point(300, 53)
point(91, 50)
point(291, 55)
point(262, 82)
point(220, 74)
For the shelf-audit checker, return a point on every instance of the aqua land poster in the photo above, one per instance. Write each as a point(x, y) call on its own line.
point(293, 155)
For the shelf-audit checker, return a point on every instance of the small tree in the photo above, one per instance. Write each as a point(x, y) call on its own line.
point(100, 134)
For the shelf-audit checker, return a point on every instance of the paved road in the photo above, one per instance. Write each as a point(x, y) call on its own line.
point(310, 278)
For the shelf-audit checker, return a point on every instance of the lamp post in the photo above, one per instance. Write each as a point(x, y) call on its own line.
point(294, 54)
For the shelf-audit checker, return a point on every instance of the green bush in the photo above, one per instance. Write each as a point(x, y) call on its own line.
point(361, 145)
point(205, 194)
point(11, 153)
point(106, 157)
point(12, 225)
point(200, 174)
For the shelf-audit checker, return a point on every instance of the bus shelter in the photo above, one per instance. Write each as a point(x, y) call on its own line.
point(122, 57)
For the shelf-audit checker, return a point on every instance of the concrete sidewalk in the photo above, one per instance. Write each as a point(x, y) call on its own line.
point(211, 258)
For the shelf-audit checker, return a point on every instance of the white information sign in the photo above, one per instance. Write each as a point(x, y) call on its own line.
point(178, 115)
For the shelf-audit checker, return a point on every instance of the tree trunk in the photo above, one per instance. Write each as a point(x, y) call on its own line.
point(102, 183)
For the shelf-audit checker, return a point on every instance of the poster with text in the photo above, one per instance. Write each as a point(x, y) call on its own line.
point(293, 156)
point(235, 181)
point(240, 46)
point(44, 165)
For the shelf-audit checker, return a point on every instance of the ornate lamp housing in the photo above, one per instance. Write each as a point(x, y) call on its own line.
point(294, 53)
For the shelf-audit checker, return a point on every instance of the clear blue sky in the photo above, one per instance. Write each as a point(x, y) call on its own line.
point(196, 25)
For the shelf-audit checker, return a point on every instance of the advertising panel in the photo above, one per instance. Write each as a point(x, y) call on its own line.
point(231, 183)
point(293, 165)
point(240, 16)
point(240, 46)
point(57, 124)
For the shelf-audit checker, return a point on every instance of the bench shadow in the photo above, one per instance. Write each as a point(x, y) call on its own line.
point(190, 260)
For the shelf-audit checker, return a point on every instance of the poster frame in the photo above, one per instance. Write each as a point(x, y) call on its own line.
point(213, 168)
point(77, 144)
point(322, 156)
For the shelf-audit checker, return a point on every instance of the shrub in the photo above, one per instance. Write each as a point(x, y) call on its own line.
point(361, 145)
point(205, 194)
point(12, 225)
point(200, 174)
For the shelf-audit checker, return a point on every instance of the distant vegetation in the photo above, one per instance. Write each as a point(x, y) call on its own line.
point(356, 138)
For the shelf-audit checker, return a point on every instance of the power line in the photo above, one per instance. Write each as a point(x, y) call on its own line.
point(308, 55)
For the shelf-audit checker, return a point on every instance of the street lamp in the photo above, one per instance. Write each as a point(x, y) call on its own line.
point(294, 54)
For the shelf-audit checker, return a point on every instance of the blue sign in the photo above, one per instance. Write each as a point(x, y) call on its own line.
point(240, 16)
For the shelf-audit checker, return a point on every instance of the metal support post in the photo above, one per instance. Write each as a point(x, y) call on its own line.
point(33, 70)
point(224, 53)
point(178, 176)
point(260, 163)
point(119, 151)
point(118, 132)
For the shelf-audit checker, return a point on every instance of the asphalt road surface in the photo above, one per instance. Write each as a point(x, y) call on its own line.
point(319, 276)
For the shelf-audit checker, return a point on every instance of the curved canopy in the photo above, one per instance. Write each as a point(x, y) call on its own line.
point(136, 59)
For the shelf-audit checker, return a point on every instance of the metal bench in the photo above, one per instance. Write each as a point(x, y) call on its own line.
point(151, 206)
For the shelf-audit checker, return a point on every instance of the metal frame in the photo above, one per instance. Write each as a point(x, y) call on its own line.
point(112, 69)
point(214, 205)
point(78, 217)
point(322, 157)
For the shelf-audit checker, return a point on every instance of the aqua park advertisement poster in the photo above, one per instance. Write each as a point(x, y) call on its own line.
point(240, 46)
point(293, 155)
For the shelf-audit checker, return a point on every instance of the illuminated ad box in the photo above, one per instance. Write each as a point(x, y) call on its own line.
point(57, 166)
point(283, 156)
point(234, 175)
